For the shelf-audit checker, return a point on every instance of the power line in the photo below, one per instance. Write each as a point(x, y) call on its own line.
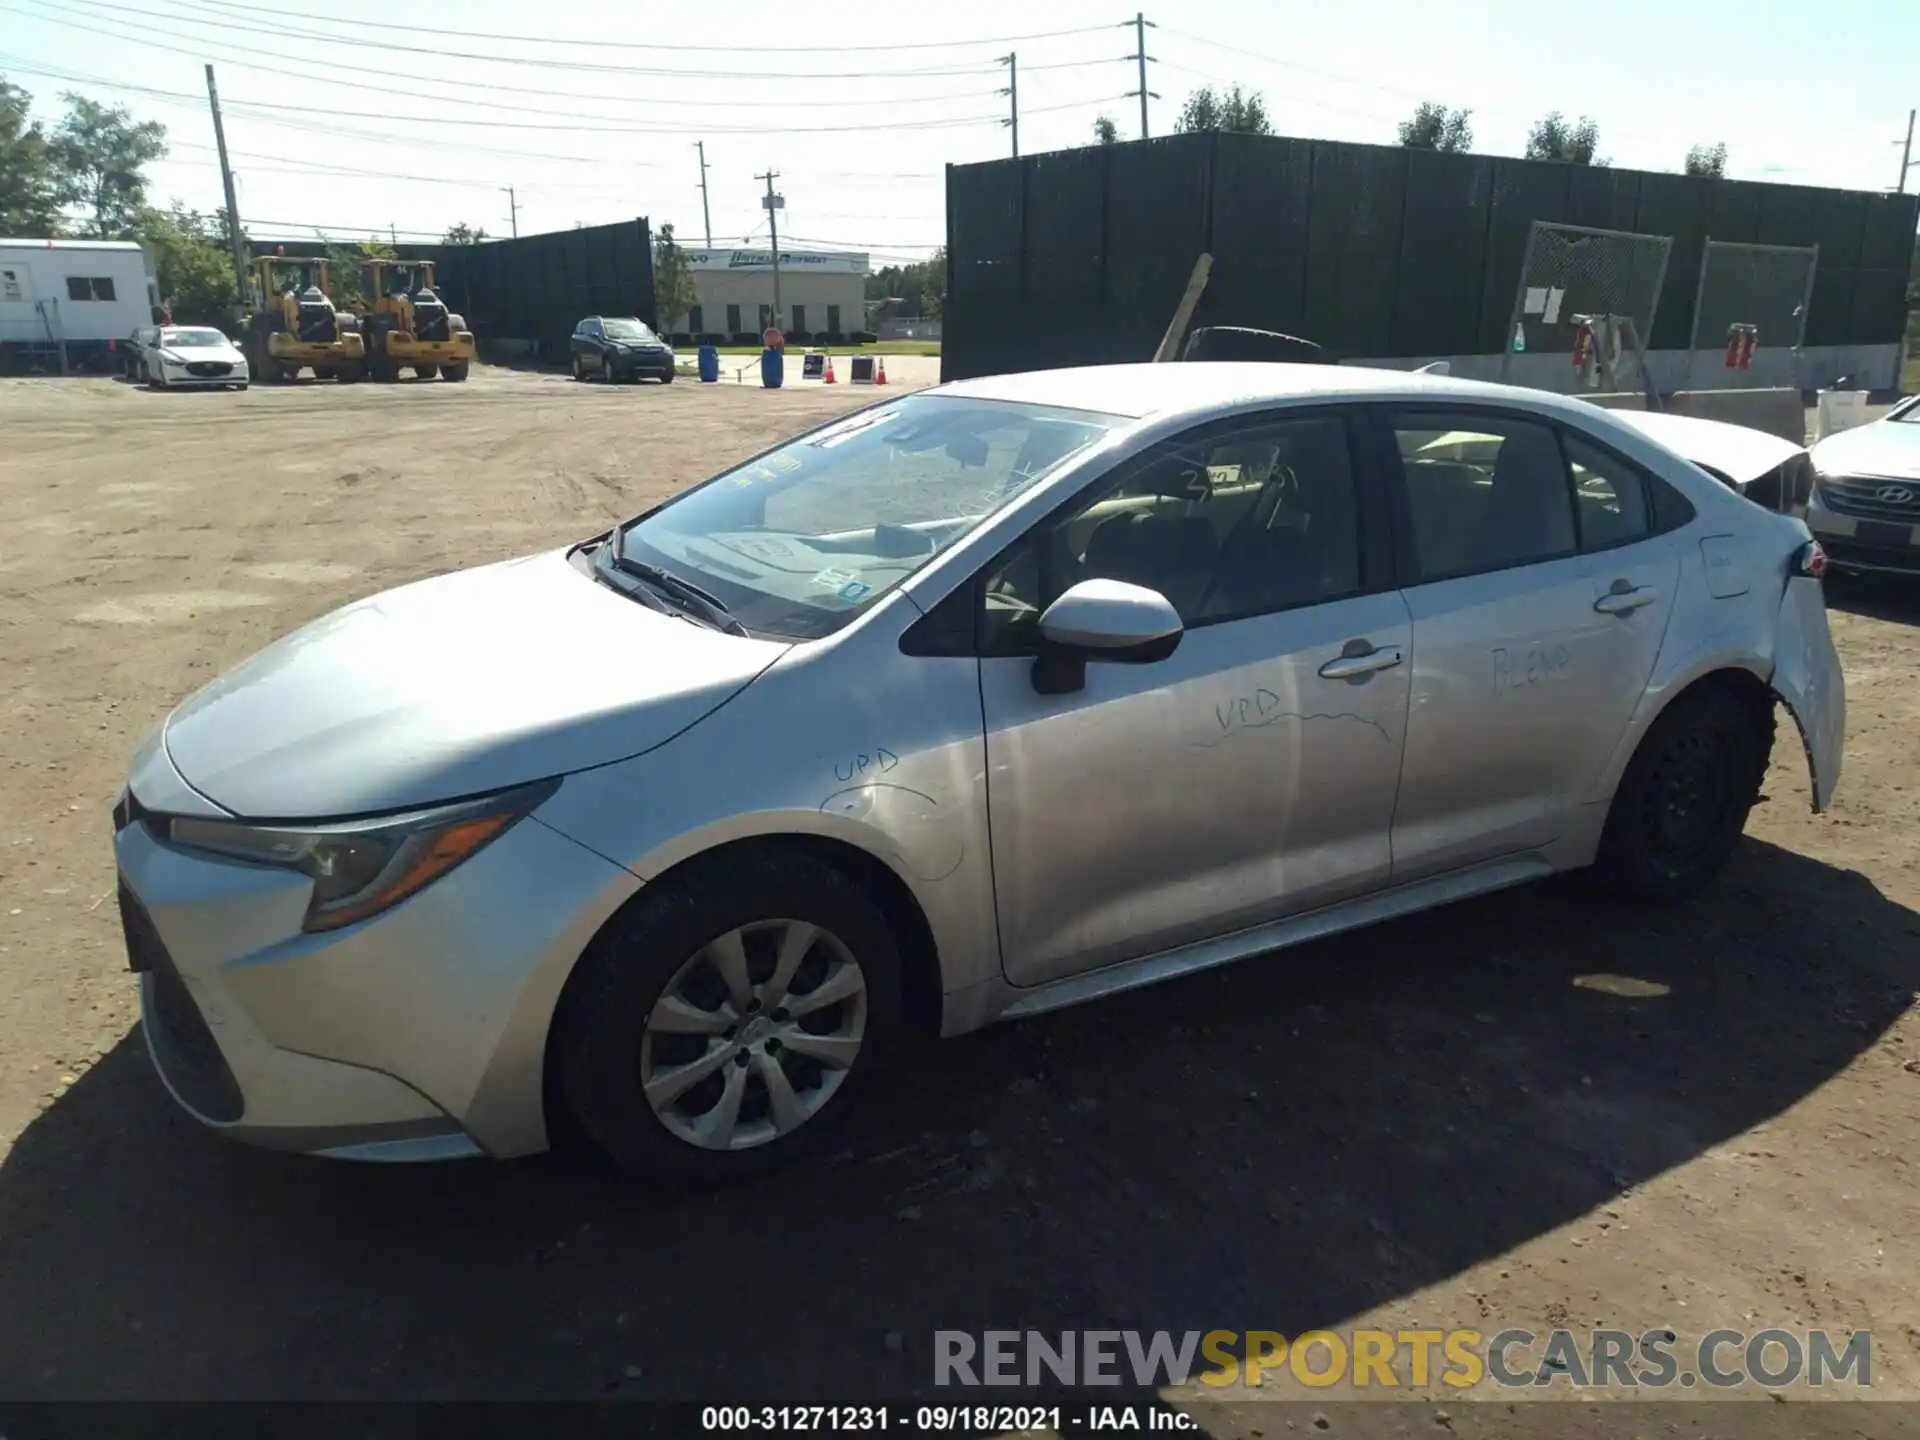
point(228, 50)
point(943, 123)
point(229, 5)
point(284, 33)
point(1336, 78)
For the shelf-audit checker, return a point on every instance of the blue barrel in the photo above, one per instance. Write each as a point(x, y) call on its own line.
point(773, 368)
point(709, 364)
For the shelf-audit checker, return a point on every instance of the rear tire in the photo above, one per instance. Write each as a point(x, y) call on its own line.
point(455, 371)
point(656, 951)
point(579, 370)
point(427, 372)
point(1683, 800)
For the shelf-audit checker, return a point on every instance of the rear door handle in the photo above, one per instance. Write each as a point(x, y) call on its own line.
point(1348, 667)
point(1625, 602)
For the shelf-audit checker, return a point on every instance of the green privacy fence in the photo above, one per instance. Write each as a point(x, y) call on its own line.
point(1080, 256)
point(536, 287)
point(539, 286)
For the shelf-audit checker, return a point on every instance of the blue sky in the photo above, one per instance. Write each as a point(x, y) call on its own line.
point(604, 128)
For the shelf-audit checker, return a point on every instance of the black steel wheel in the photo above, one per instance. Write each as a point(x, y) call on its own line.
point(1684, 798)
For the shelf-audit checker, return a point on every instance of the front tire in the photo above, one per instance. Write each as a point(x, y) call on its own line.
point(1683, 800)
point(666, 377)
point(579, 370)
point(729, 1020)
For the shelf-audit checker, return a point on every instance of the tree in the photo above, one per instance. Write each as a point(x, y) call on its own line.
point(29, 202)
point(1434, 127)
point(921, 287)
point(100, 152)
point(344, 262)
point(192, 263)
point(1554, 137)
point(933, 283)
point(1245, 112)
point(1707, 160)
point(463, 234)
point(1105, 132)
point(674, 293)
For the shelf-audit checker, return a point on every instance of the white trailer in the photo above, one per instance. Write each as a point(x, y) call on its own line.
point(65, 305)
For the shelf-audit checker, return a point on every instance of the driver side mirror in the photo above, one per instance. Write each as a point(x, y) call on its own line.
point(1102, 620)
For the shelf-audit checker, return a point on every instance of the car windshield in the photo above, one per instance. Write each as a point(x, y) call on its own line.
point(799, 541)
point(191, 339)
point(626, 330)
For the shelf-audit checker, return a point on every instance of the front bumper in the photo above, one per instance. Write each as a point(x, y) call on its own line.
point(181, 376)
point(639, 366)
point(411, 351)
point(419, 1034)
point(1866, 542)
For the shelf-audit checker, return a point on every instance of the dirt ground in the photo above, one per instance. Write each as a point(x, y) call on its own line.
point(1428, 1123)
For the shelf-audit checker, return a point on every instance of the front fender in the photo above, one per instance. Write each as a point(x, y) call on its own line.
point(1808, 680)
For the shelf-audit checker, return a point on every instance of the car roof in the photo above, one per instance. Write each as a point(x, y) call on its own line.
point(1139, 391)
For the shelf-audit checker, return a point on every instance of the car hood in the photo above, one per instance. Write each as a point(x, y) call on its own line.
point(1740, 453)
point(449, 687)
point(227, 354)
point(1884, 447)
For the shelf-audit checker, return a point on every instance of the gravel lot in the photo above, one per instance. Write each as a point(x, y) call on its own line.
point(1428, 1123)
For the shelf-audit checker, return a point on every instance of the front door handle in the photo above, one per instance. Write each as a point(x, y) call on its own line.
point(1348, 667)
point(1625, 601)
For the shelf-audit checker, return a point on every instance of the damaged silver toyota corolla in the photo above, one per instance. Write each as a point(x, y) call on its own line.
point(972, 704)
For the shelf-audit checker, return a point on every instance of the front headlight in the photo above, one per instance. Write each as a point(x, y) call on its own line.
point(362, 867)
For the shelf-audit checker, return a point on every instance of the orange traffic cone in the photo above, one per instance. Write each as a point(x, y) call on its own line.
point(829, 380)
point(880, 370)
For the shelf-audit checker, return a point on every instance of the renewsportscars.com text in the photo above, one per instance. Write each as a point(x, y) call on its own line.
point(1772, 1358)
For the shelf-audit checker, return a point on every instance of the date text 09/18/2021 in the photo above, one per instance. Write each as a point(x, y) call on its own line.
point(979, 1419)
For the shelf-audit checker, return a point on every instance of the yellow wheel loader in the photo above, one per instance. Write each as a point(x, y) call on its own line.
point(408, 325)
point(294, 325)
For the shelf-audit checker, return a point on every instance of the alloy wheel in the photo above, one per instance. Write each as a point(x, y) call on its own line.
point(753, 1035)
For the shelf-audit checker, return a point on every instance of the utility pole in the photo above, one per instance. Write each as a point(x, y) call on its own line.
point(706, 215)
point(513, 209)
point(393, 235)
point(773, 204)
point(1012, 92)
point(1906, 153)
point(1140, 24)
point(233, 204)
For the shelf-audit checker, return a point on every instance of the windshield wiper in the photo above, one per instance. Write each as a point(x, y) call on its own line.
point(689, 595)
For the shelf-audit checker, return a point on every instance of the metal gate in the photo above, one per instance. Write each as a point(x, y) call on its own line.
point(1574, 270)
point(1768, 286)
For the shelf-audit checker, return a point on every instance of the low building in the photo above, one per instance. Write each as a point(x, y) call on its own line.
point(821, 292)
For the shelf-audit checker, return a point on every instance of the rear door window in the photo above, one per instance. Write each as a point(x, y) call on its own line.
point(1484, 492)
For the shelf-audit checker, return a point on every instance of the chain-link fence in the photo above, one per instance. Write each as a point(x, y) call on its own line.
point(1572, 270)
point(1767, 286)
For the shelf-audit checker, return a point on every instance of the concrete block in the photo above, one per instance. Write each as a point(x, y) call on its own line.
point(1777, 411)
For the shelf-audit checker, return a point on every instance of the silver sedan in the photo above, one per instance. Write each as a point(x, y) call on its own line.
point(972, 704)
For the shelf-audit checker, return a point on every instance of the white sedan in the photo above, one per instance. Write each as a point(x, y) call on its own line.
point(188, 355)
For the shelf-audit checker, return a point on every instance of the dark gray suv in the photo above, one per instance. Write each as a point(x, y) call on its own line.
point(617, 348)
